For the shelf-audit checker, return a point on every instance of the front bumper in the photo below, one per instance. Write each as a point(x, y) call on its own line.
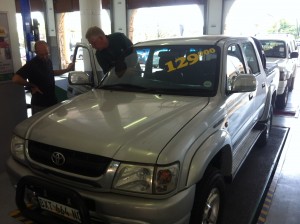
point(107, 207)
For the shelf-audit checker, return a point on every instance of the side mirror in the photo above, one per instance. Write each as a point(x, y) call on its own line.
point(244, 83)
point(294, 54)
point(79, 78)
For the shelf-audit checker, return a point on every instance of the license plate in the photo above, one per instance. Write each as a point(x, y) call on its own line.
point(59, 209)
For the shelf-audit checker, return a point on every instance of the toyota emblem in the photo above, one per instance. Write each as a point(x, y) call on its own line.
point(58, 158)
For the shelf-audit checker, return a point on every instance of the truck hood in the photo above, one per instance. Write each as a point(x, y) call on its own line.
point(114, 124)
point(280, 61)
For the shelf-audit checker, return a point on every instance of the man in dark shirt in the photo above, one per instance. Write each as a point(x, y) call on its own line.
point(110, 49)
point(38, 75)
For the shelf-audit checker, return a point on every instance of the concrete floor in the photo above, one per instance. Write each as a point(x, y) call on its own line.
point(282, 204)
point(7, 196)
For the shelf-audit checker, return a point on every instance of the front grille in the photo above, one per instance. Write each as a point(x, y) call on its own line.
point(75, 162)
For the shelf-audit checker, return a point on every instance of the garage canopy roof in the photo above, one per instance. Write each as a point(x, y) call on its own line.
point(61, 6)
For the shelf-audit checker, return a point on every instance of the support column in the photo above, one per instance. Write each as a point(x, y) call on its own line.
point(51, 34)
point(90, 12)
point(214, 20)
point(119, 18)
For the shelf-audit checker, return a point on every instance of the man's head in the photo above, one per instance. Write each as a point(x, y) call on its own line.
point(42, 50)
point(96, 37)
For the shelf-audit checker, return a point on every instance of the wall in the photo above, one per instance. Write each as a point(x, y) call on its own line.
point(12, 97)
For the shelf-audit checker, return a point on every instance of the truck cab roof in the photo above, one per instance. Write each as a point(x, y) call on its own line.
point(205, 40)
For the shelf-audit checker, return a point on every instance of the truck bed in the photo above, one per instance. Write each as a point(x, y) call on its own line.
point(270, 67)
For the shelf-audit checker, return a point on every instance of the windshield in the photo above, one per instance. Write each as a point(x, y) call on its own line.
point(274, 48)
point(182, 70)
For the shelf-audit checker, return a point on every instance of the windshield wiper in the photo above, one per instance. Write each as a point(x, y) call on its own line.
point(131, 87)
point(122, 86)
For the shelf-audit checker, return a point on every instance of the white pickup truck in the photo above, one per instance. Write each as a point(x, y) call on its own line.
point(150, 142)
point(282, 50)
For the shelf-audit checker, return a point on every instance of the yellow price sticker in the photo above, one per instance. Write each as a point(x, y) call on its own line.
point(191, 59)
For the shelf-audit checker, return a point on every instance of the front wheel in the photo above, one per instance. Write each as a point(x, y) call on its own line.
point(281, 100)
point(264, 137)
point(209, 199)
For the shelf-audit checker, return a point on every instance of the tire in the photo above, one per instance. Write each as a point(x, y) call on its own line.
point(281, 100)
point(209, 198)
point(264, 137)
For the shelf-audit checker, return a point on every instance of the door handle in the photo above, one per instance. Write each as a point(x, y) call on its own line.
point(263, 85)
point(250, 96)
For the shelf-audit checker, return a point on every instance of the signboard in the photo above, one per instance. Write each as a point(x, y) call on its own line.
point(6, 62)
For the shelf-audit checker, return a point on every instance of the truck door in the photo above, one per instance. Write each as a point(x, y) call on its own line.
point(239, 105)
point(85, 61)
point(259, 96)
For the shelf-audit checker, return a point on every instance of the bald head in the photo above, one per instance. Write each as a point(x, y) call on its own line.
point(42, 50)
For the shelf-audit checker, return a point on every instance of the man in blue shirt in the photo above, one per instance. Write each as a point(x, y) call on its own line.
point(110, 49)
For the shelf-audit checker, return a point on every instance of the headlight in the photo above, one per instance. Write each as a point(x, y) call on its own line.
point(18, 148)
point(146, 179)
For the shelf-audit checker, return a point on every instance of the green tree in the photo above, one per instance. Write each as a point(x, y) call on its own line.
point(284, 27)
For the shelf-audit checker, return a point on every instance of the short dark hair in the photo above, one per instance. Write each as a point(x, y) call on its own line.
point(94, 31)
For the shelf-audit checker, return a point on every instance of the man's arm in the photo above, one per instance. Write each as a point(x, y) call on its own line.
point(17, 79)
point(62, 71)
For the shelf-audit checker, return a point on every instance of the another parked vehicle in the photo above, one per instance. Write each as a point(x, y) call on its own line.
point(281, 49)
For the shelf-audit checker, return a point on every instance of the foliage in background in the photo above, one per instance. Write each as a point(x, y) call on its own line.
point(284, 27)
